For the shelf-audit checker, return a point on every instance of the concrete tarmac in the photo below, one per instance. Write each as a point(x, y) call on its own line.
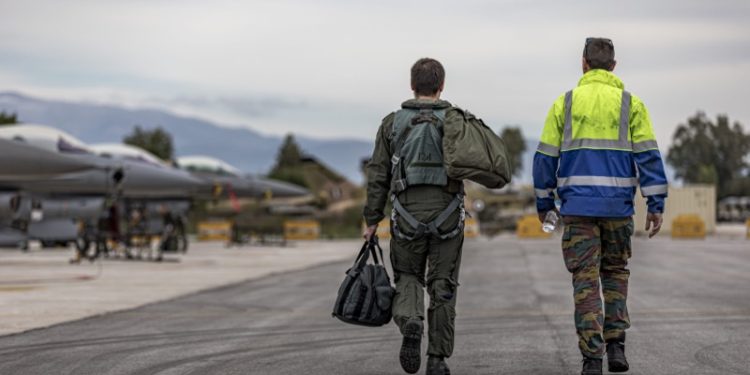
point(39, 288)
point(689, 304)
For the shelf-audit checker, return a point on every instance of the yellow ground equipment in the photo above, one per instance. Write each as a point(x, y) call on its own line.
point(471, 228)
point(688, 226)
point(530, 227)
point(748, 228)
point(305, 230)
point(214, 231)
point(384, 229)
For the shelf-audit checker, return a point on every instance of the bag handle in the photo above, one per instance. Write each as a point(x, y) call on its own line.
point(361, 259)
point(374, 243)
point(371, 247)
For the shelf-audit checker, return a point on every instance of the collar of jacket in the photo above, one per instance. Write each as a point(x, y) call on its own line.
point(601, 76)
point(423, 104)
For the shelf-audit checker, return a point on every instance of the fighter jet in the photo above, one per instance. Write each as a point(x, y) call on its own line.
point(80, 171)
point(20, 159)
point(38, 163)
point(227, 179)
point(124, 174)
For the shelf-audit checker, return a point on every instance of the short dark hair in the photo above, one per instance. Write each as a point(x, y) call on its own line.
point(427, 76)
point(599, 53)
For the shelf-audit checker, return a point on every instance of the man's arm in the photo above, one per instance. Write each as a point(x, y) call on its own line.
point(547, 158)
point(379, 175)
point(652, 178)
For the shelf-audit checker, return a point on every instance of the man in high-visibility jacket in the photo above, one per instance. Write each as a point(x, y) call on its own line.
point(597, 146)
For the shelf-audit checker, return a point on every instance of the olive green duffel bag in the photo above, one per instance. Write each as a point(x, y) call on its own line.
point(472, 151)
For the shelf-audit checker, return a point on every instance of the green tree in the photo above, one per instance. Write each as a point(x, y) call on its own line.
point(516, 146)
point(8, 118)
point(703, 151)
point(156, 141)
point(289, 153)
point(289, 163)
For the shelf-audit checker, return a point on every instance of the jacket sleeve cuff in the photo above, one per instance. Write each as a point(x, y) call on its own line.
point(373, 220)
point(656, 204)
point(545, 204)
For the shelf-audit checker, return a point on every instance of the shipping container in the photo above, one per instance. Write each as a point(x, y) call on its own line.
point(691, 199)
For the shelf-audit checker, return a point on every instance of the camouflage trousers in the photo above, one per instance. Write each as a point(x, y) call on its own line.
point(594, 250)
point(427, 262)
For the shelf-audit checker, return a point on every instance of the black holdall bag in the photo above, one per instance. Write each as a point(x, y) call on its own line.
point(365, 295)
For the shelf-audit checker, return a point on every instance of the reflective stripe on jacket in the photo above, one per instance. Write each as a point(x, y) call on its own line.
point(597, 146)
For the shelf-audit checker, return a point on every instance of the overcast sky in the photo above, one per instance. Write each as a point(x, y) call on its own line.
point(334, 68)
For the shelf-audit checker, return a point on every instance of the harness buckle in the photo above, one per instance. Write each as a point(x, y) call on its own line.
point(401, 185)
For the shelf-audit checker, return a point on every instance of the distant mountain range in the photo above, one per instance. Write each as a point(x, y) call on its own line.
point(244, 148)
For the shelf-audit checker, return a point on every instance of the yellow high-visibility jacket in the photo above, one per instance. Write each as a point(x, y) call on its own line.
point(597, 146)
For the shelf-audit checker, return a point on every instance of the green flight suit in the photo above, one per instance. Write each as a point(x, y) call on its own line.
point(427, 261)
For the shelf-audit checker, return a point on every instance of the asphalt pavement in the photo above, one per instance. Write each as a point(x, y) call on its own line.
point(689, 304)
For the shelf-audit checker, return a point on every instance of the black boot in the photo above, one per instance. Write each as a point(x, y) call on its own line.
point(592, 366)
point(437, 366)
point(616, 360)
point(411, 346)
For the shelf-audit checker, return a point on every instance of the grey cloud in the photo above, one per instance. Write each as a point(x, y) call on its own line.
point(335, 67)
point(243, 106)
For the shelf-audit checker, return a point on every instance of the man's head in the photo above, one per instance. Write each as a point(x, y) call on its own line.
point(598, 53)
point(427, 78)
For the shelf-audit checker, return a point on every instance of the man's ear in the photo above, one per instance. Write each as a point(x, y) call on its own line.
point(614, 64)
point(442, 87)
point(585, 65)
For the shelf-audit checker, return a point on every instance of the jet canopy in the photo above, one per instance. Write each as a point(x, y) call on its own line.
point(129, 152)
point(208, 164)
point(45, 137)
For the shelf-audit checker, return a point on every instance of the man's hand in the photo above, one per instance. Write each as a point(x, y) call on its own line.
point(653, 221)
point(370, 231)
point(543, 215)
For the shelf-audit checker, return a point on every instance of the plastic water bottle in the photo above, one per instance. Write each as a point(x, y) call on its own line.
point(550, 221)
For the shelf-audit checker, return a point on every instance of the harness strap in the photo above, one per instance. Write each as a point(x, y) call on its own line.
point(433, 226)
point(398, 209)
point(421, 228)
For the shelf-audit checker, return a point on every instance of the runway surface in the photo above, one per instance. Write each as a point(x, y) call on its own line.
point(689, 303)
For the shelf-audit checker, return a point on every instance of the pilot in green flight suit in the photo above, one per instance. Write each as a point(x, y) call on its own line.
point(427, 221)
